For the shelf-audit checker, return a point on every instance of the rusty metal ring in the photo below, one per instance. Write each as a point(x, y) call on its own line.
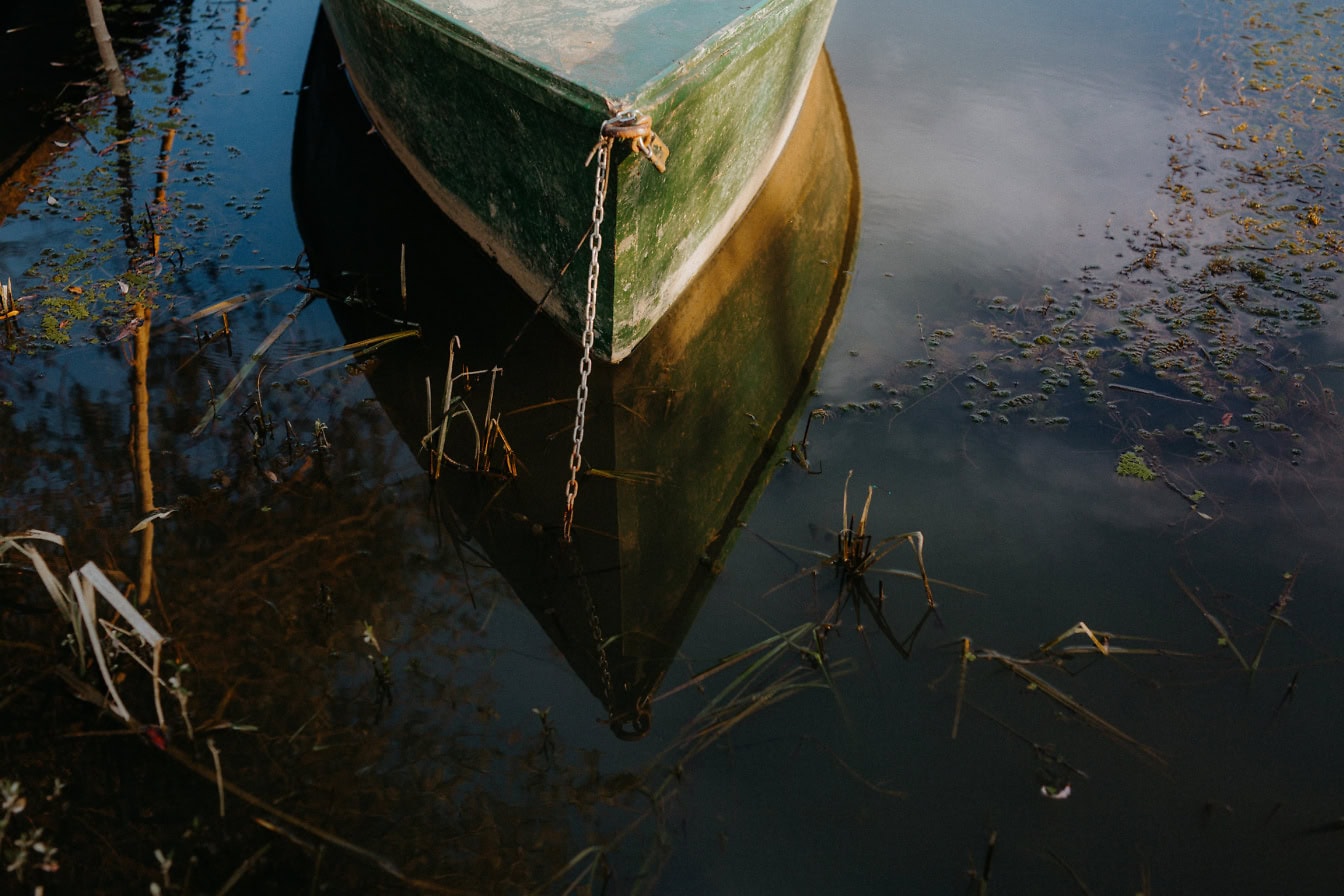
point(628, 127)
point(632, 726)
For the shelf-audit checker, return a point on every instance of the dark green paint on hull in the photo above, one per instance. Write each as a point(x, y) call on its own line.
point(499, 141)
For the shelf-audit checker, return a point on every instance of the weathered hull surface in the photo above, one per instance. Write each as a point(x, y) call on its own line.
point(496, 125)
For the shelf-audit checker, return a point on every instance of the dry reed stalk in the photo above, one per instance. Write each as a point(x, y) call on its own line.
point(358, 350)
point(1019, 668)
point(232, 302)
point(252, 361)
point(966, 657)
point(1217, 626)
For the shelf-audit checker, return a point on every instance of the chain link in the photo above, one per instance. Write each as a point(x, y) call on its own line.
point(603, 668)
point(603, 153)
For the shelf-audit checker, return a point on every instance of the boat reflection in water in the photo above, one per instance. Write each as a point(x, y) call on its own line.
point(680, 438)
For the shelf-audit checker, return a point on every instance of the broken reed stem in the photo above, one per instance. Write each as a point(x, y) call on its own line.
point(844, 503)
point(245, 868)
point(158, 696)
point(357, 350)
point(436, 460)
point(8, 308)
point(219, 772)
point(483, 445)
point(1151, 394)
point(1019, 668)
point(1213, 621)
point(252, 361)
point(226, 305)
point(1264, 641)
point(982, 879)
point(1100, 640)
point(961, 685)
point(429, 423)
point(1276, 615)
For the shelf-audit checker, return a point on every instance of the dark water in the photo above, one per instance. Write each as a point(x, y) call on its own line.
point(1085, 233)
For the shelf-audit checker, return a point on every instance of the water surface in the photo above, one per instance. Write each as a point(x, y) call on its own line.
point(1070, 251)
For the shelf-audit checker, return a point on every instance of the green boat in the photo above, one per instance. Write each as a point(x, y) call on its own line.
point(497, 107)
point(681, 438)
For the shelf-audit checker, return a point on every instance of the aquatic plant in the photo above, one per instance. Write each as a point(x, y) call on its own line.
point(1132, 464)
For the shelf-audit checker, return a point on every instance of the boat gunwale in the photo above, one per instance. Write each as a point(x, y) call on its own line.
point(648, 95)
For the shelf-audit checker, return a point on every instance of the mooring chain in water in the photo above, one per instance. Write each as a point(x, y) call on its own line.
point(628, 724)
point(595, 625)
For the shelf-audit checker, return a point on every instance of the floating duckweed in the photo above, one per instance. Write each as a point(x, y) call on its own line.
point(1019, 401)
point(1253, 187)
point(1131, 464)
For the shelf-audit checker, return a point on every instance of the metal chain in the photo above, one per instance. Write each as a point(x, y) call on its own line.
point(602, 666)
point(603, 153)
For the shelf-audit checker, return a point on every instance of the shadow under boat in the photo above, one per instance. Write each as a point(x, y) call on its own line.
point(679, 439)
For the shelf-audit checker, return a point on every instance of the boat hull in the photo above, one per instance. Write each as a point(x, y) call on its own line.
point(680, 440)
point(500, 145)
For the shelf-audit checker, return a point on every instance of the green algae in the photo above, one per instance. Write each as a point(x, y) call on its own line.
point(1133, 465)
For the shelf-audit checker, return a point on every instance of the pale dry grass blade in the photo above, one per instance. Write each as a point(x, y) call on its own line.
point(89, 613)
point(36, 535)
point(109, 593)
point(232, 302)
point(66, 602)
